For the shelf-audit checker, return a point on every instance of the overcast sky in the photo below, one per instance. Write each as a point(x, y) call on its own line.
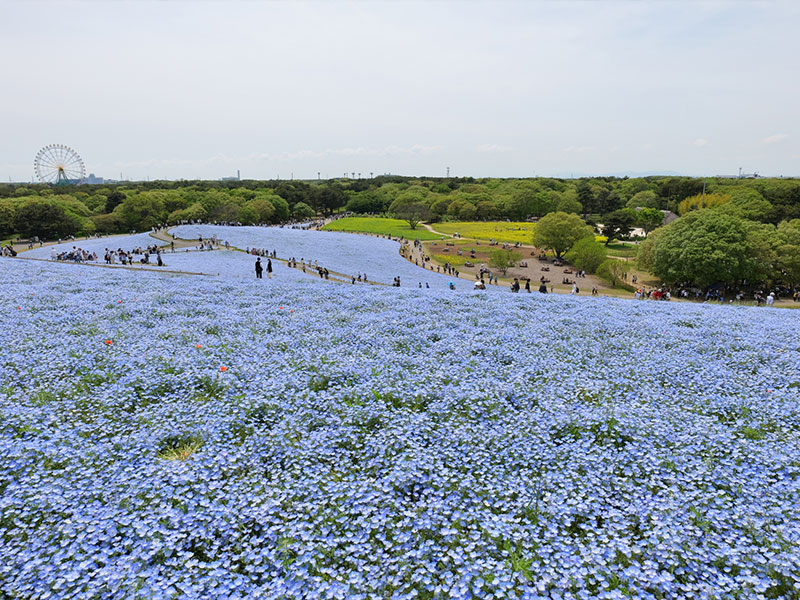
point(508, 89)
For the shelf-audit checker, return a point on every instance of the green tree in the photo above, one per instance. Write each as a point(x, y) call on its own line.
point(543, 203)
point(705, 247)
point(330, 197)
point(618, 223)
point(644, 252)
point(645, 199)
point(462, 209)
point(439, 207)
point(262, 208)
point(649, 218)
point(45, 219)
point(303, 211)
point(747, 203)
point(568, 203)
point(195, 212)
point(503, 260)
point(700, 201)
point(522, 204)
point(364, 203)
point(585, 197)
point(486, 210)
point(107, 223)
point(113, 200)
point(281, 209)
point(789, 263)
point(614, 271)
point(587, 254)
point(6, 218)
point(141, 211)
point(413, 213)
point(558, 231)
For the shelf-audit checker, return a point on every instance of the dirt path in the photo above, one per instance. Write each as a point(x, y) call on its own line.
point(164, 236)
point(432, 230)
point(21, 247)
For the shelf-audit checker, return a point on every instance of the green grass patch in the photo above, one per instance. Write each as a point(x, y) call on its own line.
point(501, 231)
point(621, 250)
point(393, 227)
point(178, 446)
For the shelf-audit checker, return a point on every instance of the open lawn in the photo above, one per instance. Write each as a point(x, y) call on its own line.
point(502, 231)
point(393, 227)
point(621, 250)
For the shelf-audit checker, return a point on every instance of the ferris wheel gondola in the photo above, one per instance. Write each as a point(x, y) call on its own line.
point(60, 165)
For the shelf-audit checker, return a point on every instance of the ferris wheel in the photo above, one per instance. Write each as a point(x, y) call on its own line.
point(59, 164)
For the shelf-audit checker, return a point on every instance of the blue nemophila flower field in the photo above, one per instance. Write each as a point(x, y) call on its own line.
point(342, 252)
point(174, 436)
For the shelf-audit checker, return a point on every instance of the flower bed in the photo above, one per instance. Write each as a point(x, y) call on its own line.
point(342, 252)
point(174, 436)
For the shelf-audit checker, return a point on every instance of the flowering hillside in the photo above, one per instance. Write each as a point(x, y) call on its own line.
point(168, 436)
point(345, 253)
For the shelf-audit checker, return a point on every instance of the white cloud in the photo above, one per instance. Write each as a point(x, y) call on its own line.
point(493, 148)
point(578, 149)
point(700, 142)
point(648, 146)
point(774, 139)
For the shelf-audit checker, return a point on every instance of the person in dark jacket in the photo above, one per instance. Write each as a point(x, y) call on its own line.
point(259, 268)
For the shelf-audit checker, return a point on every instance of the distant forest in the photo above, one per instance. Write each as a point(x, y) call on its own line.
point(49, 212)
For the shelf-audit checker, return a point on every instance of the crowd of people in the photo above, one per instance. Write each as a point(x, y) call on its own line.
point(74, 255)
point(721, 295)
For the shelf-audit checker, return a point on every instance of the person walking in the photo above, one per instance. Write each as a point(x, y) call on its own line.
point(259, 268)
point(269, 268)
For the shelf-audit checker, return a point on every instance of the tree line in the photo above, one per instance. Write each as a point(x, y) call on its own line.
point(49, 212)
point(738, 229)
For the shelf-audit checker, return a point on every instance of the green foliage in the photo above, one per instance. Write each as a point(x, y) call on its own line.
point(788, 253)
point(705, 247)
point(6, 218)
point(114, 199)
point(699, 201)
point(747, 204)
point(263, 209)
point(45, 218)
point(613, 271)
point(107, 223)
point(503, 259)
point(644, 255)
point(141, 211)
point(179, 446)
point(329, 198)
point(645, 199)
point(363, 203)
point(303, 211)
point(413, 213)
point(649, 218)
point(618, 223)
point(587, 254)
point(558, 231)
